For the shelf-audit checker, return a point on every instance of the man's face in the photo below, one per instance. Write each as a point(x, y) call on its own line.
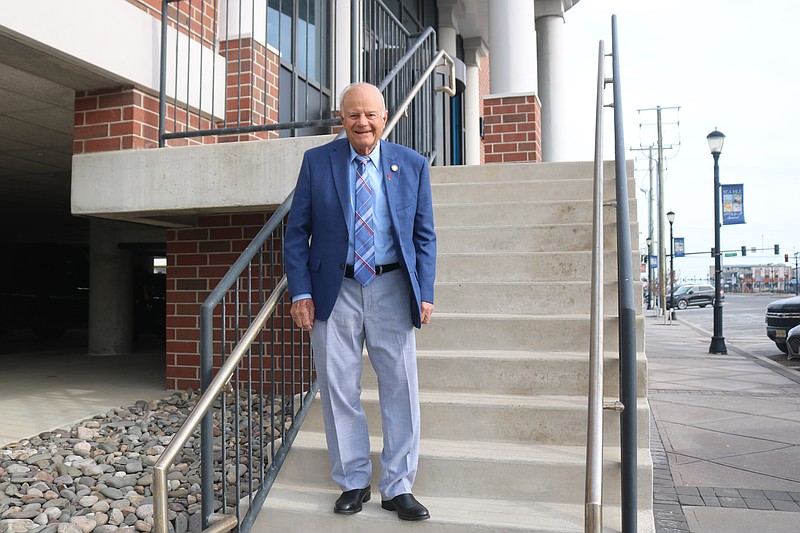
point(363, 118)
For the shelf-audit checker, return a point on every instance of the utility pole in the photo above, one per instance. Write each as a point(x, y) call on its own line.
point(662, 250)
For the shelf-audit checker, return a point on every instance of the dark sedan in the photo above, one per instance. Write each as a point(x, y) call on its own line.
point(686, 295)
point(782, 315)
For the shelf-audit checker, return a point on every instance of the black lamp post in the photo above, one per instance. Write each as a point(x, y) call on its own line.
point(796, 285)
point(649, 242)
point(671, 219)
point(715, 141)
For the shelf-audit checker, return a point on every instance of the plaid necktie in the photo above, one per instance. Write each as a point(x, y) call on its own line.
point(364, 263)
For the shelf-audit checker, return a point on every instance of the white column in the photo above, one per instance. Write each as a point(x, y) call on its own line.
point(342, 48)
point(512, 39)
point(474, 50)
point(552, 78)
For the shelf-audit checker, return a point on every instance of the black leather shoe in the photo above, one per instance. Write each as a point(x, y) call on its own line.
point(350, 501)
point(407, 507)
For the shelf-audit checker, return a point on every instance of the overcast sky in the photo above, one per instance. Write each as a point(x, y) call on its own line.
point(733, 65)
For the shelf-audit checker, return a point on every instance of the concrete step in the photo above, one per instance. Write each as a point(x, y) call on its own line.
point(524, 266)
point(531, 238)
point(292, 508)
point(515, 191)
point(550, 419)
point(523, 297)
point(519, 213)
point(477, 469)
point(496, 173)
point(513, 372)
point(472, 331)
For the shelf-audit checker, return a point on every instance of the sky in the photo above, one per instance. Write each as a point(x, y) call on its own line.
point(731, 65)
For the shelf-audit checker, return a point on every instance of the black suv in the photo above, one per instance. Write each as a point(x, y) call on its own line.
point(687, 295)
point(782, 315)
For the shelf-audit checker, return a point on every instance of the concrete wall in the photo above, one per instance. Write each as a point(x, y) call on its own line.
point(231, 177)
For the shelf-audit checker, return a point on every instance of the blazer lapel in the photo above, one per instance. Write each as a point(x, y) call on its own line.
point(390, 173)
point(340, 170)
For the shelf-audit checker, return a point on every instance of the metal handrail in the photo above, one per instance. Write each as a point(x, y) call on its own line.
point(226, 522)
point(627, 310)
point(627, 404)
point(593, 512)
point(450, 89)
point(221, 523)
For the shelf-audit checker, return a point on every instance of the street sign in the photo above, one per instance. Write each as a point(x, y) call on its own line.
point(731, 254)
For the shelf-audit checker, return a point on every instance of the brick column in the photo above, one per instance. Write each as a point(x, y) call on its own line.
point(512, 129)
point(197, 259)
point(252, 87)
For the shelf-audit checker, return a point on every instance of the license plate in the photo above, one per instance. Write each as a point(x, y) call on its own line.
point(780, 333)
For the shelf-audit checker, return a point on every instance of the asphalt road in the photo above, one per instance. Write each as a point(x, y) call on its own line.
point(742, 324)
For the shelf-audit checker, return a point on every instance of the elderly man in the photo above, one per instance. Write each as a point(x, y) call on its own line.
point(360, 253)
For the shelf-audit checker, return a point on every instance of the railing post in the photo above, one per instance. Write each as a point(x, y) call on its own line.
point(206, 425)
point(627, 313)
point(162, 85)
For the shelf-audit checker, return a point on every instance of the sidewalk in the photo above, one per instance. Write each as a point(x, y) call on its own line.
point(725, 436)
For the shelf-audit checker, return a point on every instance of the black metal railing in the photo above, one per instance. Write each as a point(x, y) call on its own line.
point(224, 62)
point(252, 409)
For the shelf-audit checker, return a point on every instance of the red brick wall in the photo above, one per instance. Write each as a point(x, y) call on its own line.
point(197, 258)
point(512, 129)
point(252, 87)
point(123, 118)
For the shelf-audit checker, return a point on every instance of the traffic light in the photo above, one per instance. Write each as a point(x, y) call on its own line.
point(777, 250)
point(744, 251)
point(785, 258)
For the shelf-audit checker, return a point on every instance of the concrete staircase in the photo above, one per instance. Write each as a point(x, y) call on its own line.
point(503, 369)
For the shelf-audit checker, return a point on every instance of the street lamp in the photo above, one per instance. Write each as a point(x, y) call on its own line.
point(671, 219)
point(715, 141)
point(649, 242)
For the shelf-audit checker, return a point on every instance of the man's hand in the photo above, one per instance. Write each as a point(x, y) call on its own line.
point(303, 313)
point(426, 310)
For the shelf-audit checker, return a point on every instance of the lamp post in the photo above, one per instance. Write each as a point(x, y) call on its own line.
point(649, 242)
point(715, 141)
point(671, 219)
point(796, 285)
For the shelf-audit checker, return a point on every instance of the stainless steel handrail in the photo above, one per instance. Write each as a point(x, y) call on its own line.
point(627, 403)
point(450, 89)
point(160, 469)
point(593, 512)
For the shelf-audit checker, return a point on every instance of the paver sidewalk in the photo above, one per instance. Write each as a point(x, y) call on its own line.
point(725, 436)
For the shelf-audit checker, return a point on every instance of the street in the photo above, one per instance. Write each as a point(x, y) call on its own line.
point(742, 322)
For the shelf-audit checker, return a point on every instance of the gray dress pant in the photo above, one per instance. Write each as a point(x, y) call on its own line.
point(377, 316)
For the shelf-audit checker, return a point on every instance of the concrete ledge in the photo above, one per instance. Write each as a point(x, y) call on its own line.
point(172, 182)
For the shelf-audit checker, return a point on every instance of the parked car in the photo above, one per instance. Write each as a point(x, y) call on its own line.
point(782, 316)
point(793, 343)
point(687, 295)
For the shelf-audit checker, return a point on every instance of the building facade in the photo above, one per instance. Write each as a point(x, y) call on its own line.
point(90, 90)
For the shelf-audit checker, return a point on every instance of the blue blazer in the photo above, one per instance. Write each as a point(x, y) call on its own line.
point(315, 245)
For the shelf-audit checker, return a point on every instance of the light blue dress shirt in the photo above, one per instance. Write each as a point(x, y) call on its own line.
point(381, 221)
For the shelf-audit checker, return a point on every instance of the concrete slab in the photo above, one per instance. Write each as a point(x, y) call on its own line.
point(726, 520)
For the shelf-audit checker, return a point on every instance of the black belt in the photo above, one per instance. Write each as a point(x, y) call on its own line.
point(379, 269)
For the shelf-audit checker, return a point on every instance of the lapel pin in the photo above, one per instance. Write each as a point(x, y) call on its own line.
point(394, 168)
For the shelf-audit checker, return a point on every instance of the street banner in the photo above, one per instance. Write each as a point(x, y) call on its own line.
point(680, 248)
point(653, 261)
point(733, 204)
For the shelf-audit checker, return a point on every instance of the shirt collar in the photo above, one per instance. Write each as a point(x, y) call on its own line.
point(374, 156)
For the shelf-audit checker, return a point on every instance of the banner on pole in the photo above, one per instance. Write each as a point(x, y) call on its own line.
point(733, 204)
point(680, 248)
